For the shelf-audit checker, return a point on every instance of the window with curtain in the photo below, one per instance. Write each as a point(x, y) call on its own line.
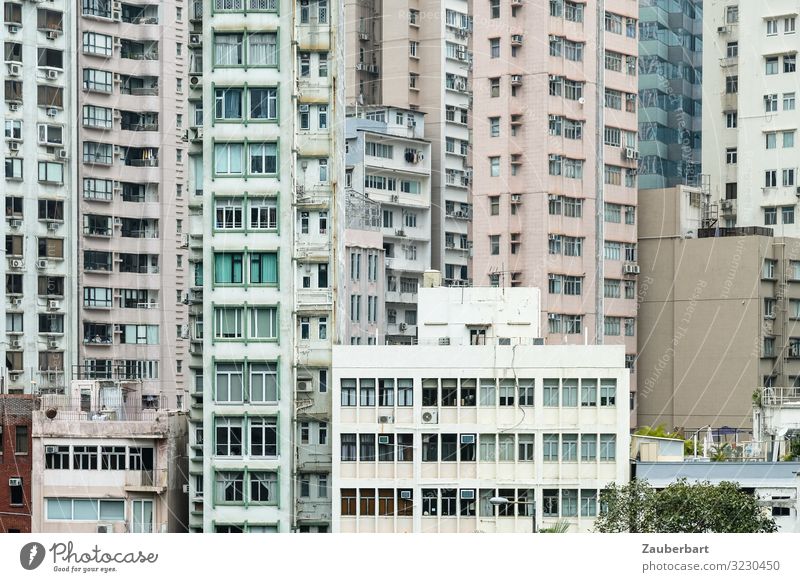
point(142, 516)
point(264, 103)
point(263, 382)
point(263, 158)
point(228, 322)
point(264, 268)
point(229, 385)
point(228, 50)
point(228, 158)
point(228, 103)
point(264, 323)
point(228, 268)
point(262, 49)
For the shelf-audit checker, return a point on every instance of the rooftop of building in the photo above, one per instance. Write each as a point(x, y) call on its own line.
point(746, 473)
point(717, 232)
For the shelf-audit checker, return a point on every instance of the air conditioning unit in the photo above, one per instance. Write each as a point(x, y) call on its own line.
point(405, 494)
point(444, 341)
point(383, 439)
point(15, 482)
point(630, 269)
point(16, 301)
point(395, 197)
point(723, 30)
point(304, 386)
point(62, 154)
point(198, 133)
point(52, 74)
point(430, 417)
point(184, 241)
point(13, 29)
point(631, 154)
point(15, 344)
point(52, 34)
point(17, 263)
point(467, 494)
point(185, 488)
point(195, 40)
point(52, 304)
point(303, 108)
point(117, 221)
point(105, 528)
point(385, 419)
point(769, 316)
point(402, 326)
point(13, 106)
point(516, 39)
point(50, 449)
point(467, 439)
point(553, 197)
point(581, 101)
point(52, 226)
point(15, 223)
point(41, 264)
point(13, 146)
point(194, 82)
point(52, 344)
point(14, 70)
point(52, 111)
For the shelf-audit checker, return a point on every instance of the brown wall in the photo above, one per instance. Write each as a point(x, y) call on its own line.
point(15, 411)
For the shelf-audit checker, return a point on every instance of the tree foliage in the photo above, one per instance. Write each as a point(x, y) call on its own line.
point(682, 507)
point(661, 432)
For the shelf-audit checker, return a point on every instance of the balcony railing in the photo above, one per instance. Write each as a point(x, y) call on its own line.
point(108, 409)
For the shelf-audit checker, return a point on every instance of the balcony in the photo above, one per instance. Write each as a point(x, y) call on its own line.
point(139, 14)
point(314, 299)
point(141, 157)
point(146, 481)
point(139, 51)
point(132, 121)
point(130, 85)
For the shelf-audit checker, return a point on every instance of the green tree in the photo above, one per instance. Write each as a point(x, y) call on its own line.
point(682, 507)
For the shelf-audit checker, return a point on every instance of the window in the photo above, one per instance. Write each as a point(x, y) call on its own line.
point(772, 26)
point(21, 440)
point(731, 120)
point(525, 447)
point(789, 63)
point(263, 158)
point(263, 441)
point(770, 178)
point(229, 382)
point(494, 244)
point(608, 392)
point(494, 126)
point(229, 487)
point(770, 215)
point(494, 166)
point(731, 155)
point(494, 8)
point(732, 50)
point(494, 87)
point(771, 68)
point(228, 158)
point(494, 48)
point(788, 101)
point(608, 447)
point(84, 509)
point(228, 436)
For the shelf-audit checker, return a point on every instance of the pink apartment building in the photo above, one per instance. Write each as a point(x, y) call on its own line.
point(132, 166)
point(539, 76)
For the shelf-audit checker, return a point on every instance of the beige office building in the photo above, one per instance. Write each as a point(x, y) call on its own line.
point(721, 307)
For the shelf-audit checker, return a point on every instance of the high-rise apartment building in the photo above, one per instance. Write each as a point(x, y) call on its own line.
point(415, 55)
point(554, 162)
point(389, 161)
point(670, 64)
point(265, 231)
point(40, 140)
point(750, 118)
point(131, 163)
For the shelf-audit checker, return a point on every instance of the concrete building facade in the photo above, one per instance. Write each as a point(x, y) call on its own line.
point(40, 140)
point(554, 162)
point(416, 55)
point(105, 464)
point(16, 466)
point(750, 116)
point(265, 241)
point(720, 328)
point(670, 102)
point(425, 436)
point(389, 159)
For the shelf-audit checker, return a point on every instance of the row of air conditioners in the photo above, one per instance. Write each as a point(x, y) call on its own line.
point(15, 70)
point(630, 154)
